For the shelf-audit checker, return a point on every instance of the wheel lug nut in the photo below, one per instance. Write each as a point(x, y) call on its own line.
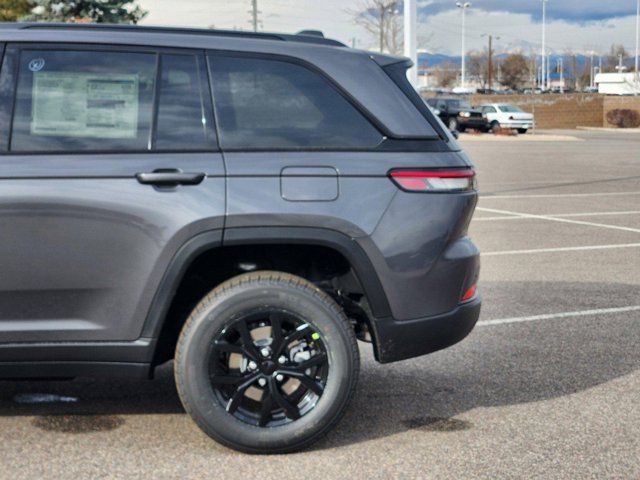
point(282, 359)
point(262, 382)
point(279, 377)
point(252, 365)
point(265, 352)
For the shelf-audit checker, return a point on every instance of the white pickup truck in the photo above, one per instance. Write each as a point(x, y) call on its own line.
point(502, 115)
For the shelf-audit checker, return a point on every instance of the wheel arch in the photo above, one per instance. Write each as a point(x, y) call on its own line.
point(212, 241)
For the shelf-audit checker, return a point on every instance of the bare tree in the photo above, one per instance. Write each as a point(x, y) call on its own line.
point(383, 20)
point(445, 74)
point(515, 71)
point(478, 65)
point(613, 59)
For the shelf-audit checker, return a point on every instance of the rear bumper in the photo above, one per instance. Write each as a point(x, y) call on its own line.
point(528, 124)
point(398, 340)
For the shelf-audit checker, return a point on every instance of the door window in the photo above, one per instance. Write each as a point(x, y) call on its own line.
point(81, 100)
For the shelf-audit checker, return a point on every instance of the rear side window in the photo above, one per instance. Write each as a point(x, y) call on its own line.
point(184, 106)
point(82, 100)
point(274, 104)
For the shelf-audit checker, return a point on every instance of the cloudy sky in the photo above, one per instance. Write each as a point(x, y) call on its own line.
point(573, 25)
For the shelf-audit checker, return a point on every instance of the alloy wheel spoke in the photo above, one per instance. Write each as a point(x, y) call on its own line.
point(312, 384)
point(276, 331)
point(295, 335)
point(249, 348)
point(236, 398)
point(227, 379)
point(265, 409)
point(318, 359)
point(290, 410)
point(227, 347)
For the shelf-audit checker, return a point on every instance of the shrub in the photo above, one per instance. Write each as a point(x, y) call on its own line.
point(624, 118)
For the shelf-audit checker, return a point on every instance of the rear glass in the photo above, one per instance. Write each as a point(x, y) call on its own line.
point(273, 104)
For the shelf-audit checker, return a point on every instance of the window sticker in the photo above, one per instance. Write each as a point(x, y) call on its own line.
point(85, 105)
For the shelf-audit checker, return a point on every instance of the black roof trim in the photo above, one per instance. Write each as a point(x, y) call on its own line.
point(302, 37)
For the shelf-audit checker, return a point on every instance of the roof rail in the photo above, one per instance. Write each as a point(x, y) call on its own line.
point(303, 36)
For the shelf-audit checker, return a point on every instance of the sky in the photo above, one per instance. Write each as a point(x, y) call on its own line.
point(578, 26)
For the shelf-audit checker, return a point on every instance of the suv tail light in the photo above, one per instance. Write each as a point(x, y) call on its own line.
point(434, 180)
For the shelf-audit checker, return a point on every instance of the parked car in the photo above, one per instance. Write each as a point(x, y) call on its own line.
point(322, 203)
point(503, 115)
point(458, 114)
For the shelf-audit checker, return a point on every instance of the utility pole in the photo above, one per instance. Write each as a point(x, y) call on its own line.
point(411, 38)
point(490, 59)
point(544, 45)
point(254, 14)
point(464, 7)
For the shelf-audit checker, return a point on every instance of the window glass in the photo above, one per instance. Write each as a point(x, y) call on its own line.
point(83, 101)
point(184, 106)
point(7, 77)
point(509, 108)
point(276, 104)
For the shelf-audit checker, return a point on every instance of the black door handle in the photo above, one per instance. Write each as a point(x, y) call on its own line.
point(170, 178)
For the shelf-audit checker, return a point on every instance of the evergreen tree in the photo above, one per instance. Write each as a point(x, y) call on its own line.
point(12, 10)
point(97, 11)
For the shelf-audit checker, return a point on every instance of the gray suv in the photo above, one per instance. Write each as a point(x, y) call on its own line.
point(247, 205)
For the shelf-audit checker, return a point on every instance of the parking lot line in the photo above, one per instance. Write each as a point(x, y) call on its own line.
point(561, 249)
point(554, 195)
point(560, 215)
point(561, 220)
point(552, 316)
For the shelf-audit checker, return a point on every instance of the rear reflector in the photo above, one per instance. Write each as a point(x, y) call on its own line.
point(469, 294)
point(434, 180)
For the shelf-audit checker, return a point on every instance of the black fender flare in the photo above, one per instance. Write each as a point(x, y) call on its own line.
point(210, 240)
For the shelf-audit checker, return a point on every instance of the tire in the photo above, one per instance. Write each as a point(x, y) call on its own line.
point(523, 130)
point(462, 129)
point(495, 126)
point(212, 350)
point(453, 124)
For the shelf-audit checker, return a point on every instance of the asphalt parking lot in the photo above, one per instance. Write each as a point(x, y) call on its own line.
point(547, 386)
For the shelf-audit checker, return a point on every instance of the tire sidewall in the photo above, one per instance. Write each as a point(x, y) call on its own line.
point(192, 366)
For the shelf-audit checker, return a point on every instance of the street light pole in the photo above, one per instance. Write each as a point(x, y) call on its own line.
point(544, 45)
point(411, 38)
point(637, 44)
point(464, 7)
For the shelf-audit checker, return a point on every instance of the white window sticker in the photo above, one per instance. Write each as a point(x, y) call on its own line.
point(85, 105)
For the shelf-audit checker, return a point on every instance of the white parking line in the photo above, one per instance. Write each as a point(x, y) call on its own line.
point(554, 195)
point(552, 316)
point(560, 249)
point(561, 220)
point(559, 215)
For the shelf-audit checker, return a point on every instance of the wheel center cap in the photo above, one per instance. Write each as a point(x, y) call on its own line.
point(268, 367)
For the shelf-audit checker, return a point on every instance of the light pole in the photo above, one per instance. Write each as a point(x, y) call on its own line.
point(544, 44)
point(411, 37)
point(464, 7)
point(637, 43)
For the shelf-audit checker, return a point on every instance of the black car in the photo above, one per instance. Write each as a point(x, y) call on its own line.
point(458, 114)
point(246, 205)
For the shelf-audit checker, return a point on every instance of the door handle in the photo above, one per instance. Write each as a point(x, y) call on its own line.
point(170, 178)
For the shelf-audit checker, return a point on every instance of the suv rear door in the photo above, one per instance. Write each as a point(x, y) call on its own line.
point(108, 164)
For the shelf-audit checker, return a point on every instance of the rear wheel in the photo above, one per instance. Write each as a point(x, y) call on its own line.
point(266, 363)
point(453, 124)
point(495, 126)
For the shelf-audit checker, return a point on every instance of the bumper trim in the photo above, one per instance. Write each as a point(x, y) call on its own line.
point(398, 340)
